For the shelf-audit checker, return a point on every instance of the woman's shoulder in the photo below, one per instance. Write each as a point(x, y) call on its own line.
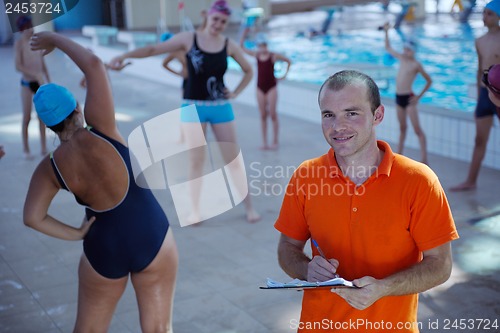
point(186, 38)
point(92, 132)
point(231, 44)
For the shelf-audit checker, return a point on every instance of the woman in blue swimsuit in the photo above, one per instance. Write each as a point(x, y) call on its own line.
point(206, 55)
point(125, 232)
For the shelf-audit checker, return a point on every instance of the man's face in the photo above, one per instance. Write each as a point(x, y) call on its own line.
point(347, 119)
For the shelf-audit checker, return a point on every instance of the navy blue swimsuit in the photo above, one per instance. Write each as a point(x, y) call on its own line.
point(484, 106)
point(127, 237)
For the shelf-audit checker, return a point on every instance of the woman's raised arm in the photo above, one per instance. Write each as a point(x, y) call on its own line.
point(99, 109)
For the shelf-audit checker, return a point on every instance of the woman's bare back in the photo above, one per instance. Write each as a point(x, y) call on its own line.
point(93, 170)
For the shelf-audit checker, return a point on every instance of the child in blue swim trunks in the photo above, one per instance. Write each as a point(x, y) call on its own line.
point(406, 100)
point(34, 73)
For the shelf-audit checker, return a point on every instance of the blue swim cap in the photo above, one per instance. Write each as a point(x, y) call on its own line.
point(410, 44)
point(53, 103)
point(166, 36)
point(494, 6)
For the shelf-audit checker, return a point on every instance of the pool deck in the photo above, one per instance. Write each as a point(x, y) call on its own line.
point(225, 260)
point(287, 7)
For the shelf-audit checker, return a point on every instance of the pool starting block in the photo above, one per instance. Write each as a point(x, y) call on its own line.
point(137, 39)
point(100, 34)
point(251, 15)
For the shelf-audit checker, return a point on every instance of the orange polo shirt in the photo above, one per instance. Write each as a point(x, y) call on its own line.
point(376, 229)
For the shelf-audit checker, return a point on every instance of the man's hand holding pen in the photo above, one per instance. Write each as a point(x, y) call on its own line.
point(321, 269)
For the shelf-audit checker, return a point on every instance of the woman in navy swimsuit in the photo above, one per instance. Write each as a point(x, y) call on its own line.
point(206, 57)
point(125, 232)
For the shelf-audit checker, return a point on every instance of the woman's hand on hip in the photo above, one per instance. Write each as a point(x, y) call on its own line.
point(86, 224)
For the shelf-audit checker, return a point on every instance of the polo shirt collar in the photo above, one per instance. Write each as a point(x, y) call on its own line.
point(383, 169)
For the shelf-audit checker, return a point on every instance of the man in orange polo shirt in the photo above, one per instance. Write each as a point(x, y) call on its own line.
point(381, 219)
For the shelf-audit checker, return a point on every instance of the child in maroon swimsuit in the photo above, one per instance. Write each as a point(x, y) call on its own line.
point(267, 95)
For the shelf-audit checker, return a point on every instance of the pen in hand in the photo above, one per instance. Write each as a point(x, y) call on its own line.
point(318, 248)
point(320, 251)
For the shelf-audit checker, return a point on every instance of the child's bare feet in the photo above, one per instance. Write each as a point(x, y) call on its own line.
point(194, 219)
point(465, 186)
point(28, 156)
point(253, 216)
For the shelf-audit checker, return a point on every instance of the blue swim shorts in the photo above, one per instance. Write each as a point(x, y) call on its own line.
point(213, 112)
point(485, 106)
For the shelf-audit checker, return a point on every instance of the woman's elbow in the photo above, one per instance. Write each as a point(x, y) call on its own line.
point(29, 220)
point(30, 217)
point(248, 72)
point(95, 62)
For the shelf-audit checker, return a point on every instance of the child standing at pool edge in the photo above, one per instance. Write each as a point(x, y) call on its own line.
point(34, 72)
point(406, 100)
point(488, 54)
point(267, 93)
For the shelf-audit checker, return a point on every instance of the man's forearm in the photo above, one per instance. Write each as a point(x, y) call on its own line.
point(293, 261)
point(423, 276)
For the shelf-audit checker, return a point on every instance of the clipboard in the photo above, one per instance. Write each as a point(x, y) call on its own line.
point(297, 284)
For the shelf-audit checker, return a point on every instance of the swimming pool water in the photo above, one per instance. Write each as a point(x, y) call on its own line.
point(446, 51)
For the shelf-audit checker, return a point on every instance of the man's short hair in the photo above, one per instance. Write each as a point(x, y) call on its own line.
point(340, 80)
